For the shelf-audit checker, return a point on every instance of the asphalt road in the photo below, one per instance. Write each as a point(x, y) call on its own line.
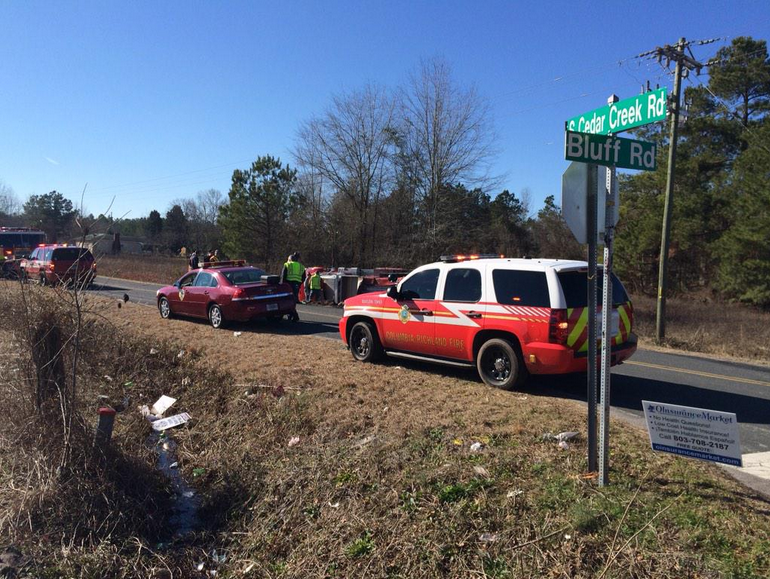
point(702, 382)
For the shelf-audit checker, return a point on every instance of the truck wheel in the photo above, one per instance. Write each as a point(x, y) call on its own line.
point(499, 365)
point(215, 316)
point(364, 343)
point(164, 308)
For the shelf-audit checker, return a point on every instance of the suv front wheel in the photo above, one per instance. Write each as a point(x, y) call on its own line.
point(364, 342)
point(499, 364)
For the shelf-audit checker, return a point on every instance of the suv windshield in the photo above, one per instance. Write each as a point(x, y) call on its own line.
point(71, 253)
point(575, 287)
point(244, 276)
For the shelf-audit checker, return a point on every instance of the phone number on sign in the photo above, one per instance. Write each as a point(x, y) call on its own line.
point(703, 443)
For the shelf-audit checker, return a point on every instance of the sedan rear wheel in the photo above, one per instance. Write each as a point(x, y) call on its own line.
point(215, 316)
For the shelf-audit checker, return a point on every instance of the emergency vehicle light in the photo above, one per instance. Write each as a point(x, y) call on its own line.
point(456, 258)
point(231, 263)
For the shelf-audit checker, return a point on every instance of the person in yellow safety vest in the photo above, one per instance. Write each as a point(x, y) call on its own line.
point(315, 287)
point(293, 273)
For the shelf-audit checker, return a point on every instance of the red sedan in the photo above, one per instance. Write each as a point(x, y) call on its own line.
point(227, 291)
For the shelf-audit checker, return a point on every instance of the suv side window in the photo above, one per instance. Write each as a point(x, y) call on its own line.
point(462, 285)
point(203, 279)
point(421, 286)
point(47, 255)
point(521, 288)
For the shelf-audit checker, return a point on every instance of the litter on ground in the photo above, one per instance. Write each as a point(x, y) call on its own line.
point(161, 405)
point(170, 422)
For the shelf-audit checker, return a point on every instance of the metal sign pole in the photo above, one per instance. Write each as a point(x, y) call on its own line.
point(604, 424)
point(591, 226)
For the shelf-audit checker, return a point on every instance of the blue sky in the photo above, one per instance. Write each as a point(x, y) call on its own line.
point(151, 101)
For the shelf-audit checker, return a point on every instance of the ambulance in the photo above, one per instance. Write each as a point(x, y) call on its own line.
point(508, 318)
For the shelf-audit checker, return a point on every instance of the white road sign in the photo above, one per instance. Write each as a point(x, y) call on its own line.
point(693, 432)
point(574, 202)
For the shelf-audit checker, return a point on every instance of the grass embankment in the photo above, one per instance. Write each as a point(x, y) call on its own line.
point(312, 465)
point(701, 324)
point(150, 268)
point(68, 512)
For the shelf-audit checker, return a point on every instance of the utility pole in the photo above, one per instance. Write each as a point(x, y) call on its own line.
point(684, 64)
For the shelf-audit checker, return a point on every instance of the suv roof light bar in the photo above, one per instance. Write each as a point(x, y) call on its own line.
point(456, 258)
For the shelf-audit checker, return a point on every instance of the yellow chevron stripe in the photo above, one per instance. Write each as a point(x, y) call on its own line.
point(578, 329)
point(625, 319)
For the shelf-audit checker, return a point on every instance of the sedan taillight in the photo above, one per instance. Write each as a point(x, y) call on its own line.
point(239, 294)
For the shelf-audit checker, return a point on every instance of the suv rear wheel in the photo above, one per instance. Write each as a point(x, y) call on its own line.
point(499, 364)
point(364, 342)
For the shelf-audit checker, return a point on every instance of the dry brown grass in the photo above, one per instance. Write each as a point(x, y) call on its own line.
point(383, 482)
point(79, 517)
point(700, 324)
point(150, 268)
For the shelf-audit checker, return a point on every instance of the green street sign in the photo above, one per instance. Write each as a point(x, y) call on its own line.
point(623, 115)
point(610, 151)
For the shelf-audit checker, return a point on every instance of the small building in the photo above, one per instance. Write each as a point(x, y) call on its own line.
point(106, 244)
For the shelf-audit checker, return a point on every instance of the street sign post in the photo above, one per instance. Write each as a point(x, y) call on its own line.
point(610, 151)
point(584, 143)
point(622, 115)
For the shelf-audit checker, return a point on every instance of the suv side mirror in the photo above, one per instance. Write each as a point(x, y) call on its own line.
point(393, 292)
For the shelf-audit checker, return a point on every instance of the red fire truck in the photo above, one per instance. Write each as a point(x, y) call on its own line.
point(15, 243)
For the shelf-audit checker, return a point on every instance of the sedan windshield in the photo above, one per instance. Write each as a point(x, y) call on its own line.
point(244, 276)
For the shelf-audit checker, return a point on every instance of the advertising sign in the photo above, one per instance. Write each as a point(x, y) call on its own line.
point(693, 432)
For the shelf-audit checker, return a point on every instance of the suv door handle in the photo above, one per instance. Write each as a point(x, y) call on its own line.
point(424, 313)
point(206, 292)
point(473, 314)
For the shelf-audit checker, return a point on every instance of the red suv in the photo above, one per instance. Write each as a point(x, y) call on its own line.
point(52, 264)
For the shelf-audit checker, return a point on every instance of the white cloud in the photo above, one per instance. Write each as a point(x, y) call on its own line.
point(53, 162)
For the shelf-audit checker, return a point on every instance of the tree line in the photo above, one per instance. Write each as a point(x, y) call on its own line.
point(398, 177)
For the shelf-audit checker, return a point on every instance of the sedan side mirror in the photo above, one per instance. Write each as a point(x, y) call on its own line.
point(176, 283)
point(393, 292)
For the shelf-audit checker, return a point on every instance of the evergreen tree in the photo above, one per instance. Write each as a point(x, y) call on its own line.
point(255, 218)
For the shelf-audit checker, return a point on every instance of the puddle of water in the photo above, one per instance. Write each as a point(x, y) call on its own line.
point(184, 519)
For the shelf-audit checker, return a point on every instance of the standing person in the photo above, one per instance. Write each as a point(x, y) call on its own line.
point(293, 273)
point(214, 255)
point(315, 287)
point(193, 262)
